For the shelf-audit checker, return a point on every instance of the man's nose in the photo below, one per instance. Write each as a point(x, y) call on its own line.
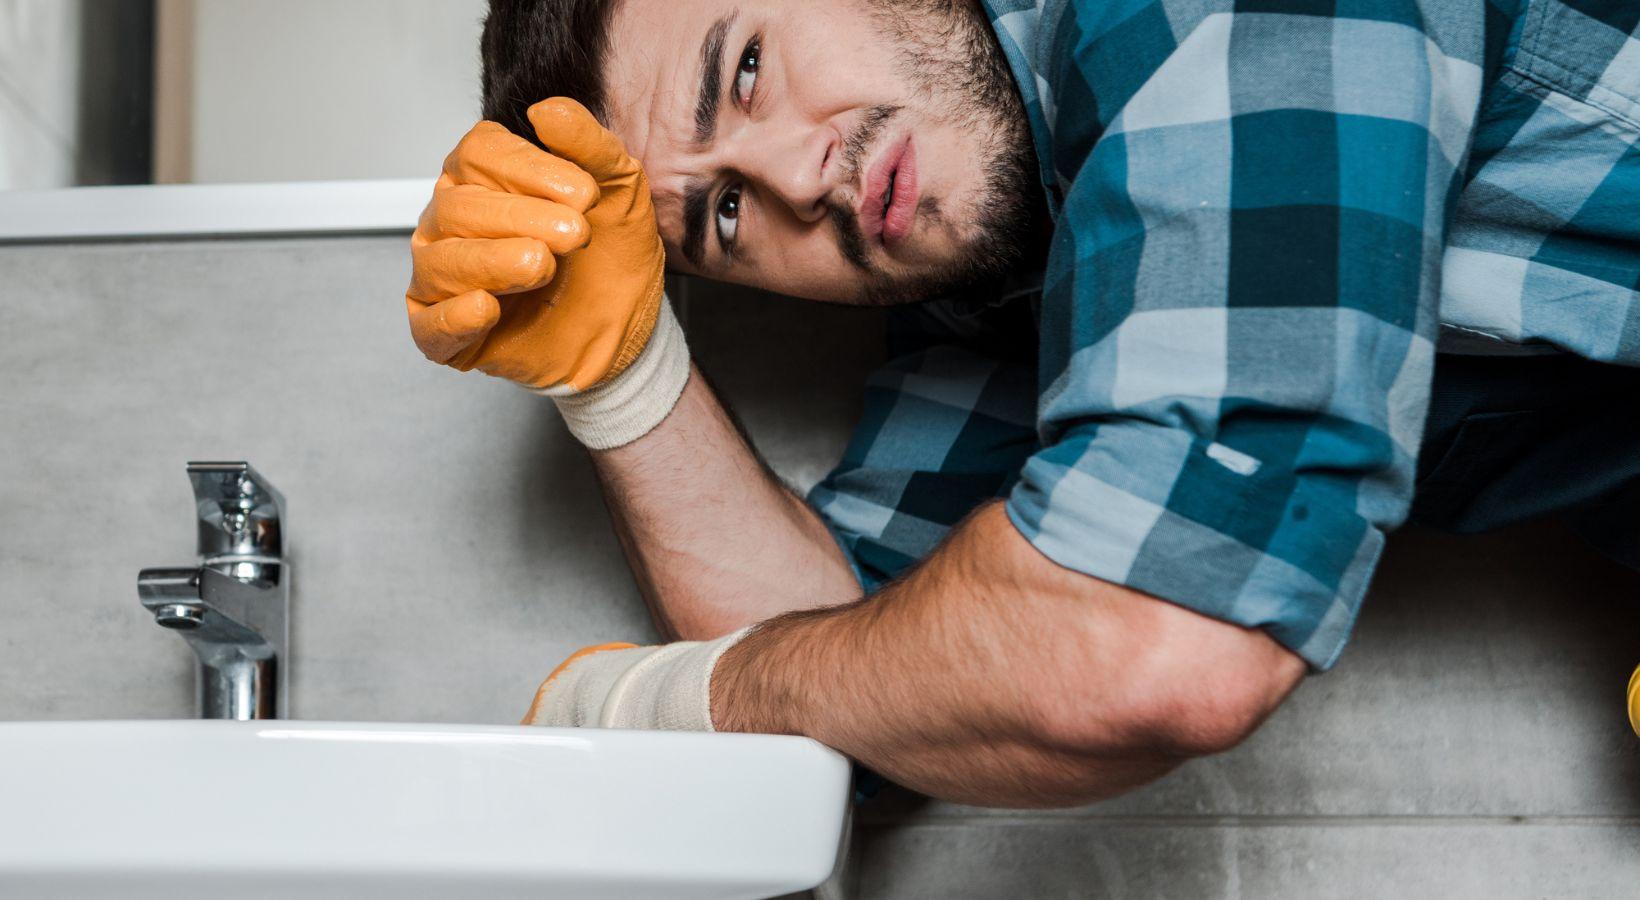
point(796, 166)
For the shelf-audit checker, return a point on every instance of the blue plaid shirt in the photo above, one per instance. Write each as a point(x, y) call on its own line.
point(1268, 214)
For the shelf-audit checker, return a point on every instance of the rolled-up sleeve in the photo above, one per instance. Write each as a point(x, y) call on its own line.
point(1240, 307)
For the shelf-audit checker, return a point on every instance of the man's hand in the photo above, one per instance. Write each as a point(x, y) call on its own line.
point(565, 239)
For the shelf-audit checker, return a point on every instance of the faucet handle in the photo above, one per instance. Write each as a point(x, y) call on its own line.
point(240, 513)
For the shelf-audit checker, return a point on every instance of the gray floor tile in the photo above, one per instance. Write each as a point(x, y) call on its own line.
point(1404, 860)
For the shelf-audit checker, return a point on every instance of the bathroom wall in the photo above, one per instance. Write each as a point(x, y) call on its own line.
point(304, 90)
point(243, 91)
point(449, 547)
point(39, 83)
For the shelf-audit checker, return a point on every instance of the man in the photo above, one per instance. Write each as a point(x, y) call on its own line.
point(1127, 481)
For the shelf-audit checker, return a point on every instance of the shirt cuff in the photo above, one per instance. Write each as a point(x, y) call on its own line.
point(1206, 527)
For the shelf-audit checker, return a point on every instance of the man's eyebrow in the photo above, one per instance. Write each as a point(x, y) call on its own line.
point(711, 78)
point(695, 196)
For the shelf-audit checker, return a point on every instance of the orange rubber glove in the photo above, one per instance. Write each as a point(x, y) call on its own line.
point(542, 268)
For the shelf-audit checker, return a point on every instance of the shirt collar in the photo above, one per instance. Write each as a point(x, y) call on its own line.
point(1015, 23)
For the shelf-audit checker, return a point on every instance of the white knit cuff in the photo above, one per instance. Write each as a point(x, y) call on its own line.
point(631, 404)
point(664, 688)
point(670, 690)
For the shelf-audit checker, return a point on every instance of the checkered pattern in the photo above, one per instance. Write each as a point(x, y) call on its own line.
point(1545, 242)
point(1222, 400)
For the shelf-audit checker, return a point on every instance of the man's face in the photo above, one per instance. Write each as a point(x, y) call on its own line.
point(861, 150)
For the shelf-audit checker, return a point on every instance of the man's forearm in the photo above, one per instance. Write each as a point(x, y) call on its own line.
point(991, 676)
point(715, 541)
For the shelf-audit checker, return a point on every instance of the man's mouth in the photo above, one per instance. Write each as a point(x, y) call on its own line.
point(888, 207)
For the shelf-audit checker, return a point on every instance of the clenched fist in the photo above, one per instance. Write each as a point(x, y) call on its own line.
point(541, 267)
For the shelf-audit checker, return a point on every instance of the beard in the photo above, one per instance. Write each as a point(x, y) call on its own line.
point(951, 58)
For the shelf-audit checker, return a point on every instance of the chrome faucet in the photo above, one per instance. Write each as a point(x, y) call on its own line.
point(233, 608)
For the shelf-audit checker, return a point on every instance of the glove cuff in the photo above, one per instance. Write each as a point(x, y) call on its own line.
point(630, 405)
point(665, 688)
point(668, 690)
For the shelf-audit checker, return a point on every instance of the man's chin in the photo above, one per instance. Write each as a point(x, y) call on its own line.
point(942, 280)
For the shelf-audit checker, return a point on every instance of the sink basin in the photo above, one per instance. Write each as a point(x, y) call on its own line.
point(181, 809)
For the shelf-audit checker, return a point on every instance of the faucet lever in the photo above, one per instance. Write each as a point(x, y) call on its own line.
point(240, 516)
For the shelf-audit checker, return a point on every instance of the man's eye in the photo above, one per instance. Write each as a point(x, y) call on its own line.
point(746, 73)
point(728, 216)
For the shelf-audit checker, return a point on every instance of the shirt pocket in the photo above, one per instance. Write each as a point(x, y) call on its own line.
point(1586, 56)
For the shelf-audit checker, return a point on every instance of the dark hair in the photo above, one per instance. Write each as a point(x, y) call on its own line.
point(535, 49)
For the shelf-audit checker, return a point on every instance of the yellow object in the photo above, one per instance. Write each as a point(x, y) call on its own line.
point(1634, 701)
point(544, 268)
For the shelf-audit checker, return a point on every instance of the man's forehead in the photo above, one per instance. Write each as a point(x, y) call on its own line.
point(652, 78)
point(652, 70)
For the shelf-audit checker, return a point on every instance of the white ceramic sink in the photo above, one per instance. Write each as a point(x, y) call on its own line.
point(184, 809)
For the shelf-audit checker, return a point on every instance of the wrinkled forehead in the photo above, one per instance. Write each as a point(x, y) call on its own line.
point(652, 80)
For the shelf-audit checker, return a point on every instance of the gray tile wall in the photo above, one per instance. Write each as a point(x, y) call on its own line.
point(449, 547)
